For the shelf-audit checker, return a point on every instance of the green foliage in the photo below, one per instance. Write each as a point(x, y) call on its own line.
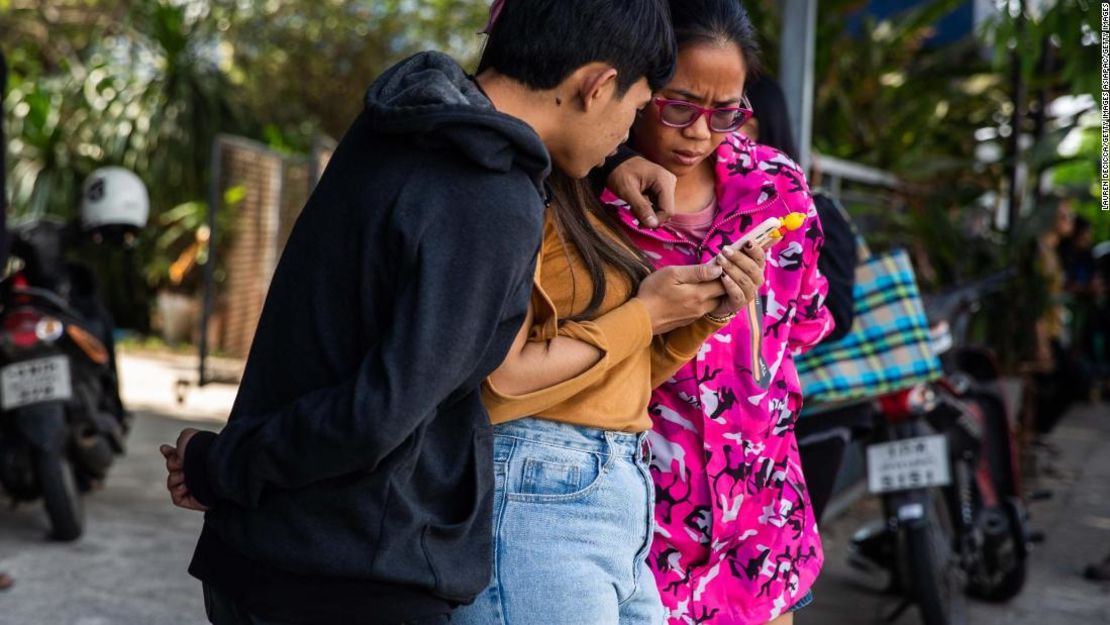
point(45, 167)
point(183, 239)
point(149, 84)
point(939, 118)
point(139, 93)
point(1077, 176)
point(301, 68)
point(1069, 28)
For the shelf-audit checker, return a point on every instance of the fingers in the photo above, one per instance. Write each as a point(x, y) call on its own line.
point(175, 483)
point(641, 208)
point(179, 494)
point(169, 452)
point(189, 503)
point(745, 269)
point(175, 479)
point(736, 295)
point(174, 462)
point(709, 291)
point(738, 264)
point(662, 187)
point(694, 274)
point(183, 439)
point(751, 291)
point(636, 180)
point(192, 504)
point(757, 254)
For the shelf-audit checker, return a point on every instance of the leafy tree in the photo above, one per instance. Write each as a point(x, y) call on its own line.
point(148, 84)
point(302, 68)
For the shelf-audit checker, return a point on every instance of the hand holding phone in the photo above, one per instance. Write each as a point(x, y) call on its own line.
point(769, 232)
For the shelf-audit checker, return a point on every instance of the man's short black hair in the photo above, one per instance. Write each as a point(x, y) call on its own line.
point(541, 42)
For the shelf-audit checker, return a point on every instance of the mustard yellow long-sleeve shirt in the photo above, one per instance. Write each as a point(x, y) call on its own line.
point(614, 393)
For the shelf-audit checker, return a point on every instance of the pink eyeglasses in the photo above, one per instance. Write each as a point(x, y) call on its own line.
point(682, 114)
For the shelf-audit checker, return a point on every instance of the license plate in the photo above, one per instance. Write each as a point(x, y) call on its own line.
point(912, 463)
point(35, 381)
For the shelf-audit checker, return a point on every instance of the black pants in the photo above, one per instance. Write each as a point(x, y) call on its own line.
point(821, 465)
point(822, 440)
point(222, 610)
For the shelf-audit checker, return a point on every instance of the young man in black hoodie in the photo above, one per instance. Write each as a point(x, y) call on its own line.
point(352, 483)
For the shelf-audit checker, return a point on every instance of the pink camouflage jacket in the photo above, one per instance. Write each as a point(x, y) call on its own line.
point(735, 541)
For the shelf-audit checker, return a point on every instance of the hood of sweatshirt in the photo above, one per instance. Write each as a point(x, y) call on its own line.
point(431, 98)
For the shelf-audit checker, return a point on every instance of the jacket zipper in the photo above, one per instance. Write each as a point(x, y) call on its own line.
point(680, 239)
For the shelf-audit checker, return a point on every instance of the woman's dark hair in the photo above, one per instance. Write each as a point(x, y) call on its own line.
point(769, 103)
point(716, 21)
point(541, 42)
point(572, 203)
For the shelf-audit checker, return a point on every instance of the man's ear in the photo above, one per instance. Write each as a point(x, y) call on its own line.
point(596, 85)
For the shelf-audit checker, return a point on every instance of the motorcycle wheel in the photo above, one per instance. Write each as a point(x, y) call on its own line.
point(61, 497)
point(1001, 541)
point(933, 575)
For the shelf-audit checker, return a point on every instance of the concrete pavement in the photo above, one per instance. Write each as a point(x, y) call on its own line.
point(128, 569)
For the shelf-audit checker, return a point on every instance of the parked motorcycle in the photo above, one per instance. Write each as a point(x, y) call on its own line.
point(972, 409)
point(61, 419)
point(915, 542)
point(943, 460)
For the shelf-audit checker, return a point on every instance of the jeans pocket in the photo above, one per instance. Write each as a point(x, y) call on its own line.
point(542, 473)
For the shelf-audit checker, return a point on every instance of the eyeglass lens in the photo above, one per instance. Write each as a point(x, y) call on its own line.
point(681, 114)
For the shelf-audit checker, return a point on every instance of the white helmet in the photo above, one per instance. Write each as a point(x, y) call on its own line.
point(114, 196)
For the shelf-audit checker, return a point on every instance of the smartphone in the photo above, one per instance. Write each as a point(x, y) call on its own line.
point(769, 231)
point(762, 235)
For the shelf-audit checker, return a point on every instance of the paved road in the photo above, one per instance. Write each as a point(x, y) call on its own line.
point(130, 567)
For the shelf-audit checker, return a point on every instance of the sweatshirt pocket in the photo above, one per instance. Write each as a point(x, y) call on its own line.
point(459, 548)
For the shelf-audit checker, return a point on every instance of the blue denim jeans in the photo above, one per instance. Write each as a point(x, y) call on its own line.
point(802, 603)
point(572, 526)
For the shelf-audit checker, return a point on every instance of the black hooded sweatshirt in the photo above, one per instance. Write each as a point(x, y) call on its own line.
point(353, 482)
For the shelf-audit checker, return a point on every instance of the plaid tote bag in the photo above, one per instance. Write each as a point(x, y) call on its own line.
point(888, 348)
